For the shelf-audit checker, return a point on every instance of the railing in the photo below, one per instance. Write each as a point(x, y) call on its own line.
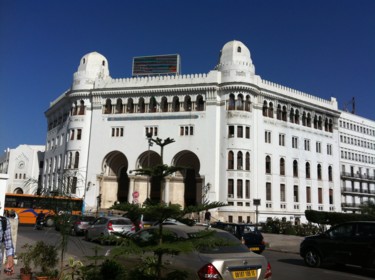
point(359, 191)
point(358, 176)
point(351, 205)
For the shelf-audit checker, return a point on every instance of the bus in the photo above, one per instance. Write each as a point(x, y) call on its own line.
point(28, 206)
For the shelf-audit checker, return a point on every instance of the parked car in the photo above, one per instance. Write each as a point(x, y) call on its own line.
point(247, 233)
point(107, 226)
point(348, 243)
point(81, 224)
point(228, 261)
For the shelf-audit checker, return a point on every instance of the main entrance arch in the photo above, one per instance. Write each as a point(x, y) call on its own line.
point(115, 180)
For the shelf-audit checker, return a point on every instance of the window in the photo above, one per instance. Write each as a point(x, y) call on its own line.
point(187, 103)
point(330, 176)
point(72, 134)
point(118, 109)
point(247, 189)
point(141, 105)
point(79, 134)
point(230, 188)
point(295, 193)
point(231, 103)
point(117, 131)
point(320, 195)
point(318, 147)
point(152, 105)
point(151, 131)
point(239, 188)
point(295, 168)
point(199, 103)
point(295, 142)
point(239, 161)
point(308, 194)
point(307, 145)
point(282, 192)
point(307, 170)
point(239, 131)
point(186, 130)
point(319, 172)
point(281, 139)
point(330, 198)
point(231, 131)
point(247, 132)
point(329, 149)
point(247, 161)
point(282, 167)
point(268, 164)
point(164, 104)
point(175, 104)
point(76, 160)
point(268, 191)
point(267, 137)
point(230, 160)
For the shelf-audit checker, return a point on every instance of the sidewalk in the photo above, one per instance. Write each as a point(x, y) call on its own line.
point(282, 243)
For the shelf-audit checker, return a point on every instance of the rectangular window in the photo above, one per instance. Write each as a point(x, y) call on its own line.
point(239, 189)
point(295, 142)
point(79, 134)
point(330, 196)
point(239, 131)
point(329, 149)
point(186, 130)
point(268, 191)
point(247, 189)
point(151, 131)
point(231, 131)
point(307, 144)
point(72, 134)
point(117, 132)
point(230, 188)
point(308, 194)
point(267, 136)
point(281, 139)
point(282, 192)
point(295, 193)
point(247, 132)
point(320, 195)
point(318, 147)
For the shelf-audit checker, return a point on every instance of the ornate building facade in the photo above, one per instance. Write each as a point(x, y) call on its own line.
point(240, 138)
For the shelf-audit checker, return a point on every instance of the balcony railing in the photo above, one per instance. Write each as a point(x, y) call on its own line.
point(358, 176)
point(350, 205)
point(358, 191)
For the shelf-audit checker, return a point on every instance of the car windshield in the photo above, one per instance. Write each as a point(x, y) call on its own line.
point(121, 222)
point(87, 218)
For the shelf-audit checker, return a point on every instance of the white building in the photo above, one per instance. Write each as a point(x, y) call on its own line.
point(239, 136)
point(24, 168)
point(357, 166)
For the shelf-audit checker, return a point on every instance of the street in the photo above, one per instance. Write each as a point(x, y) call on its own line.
point(284, 265)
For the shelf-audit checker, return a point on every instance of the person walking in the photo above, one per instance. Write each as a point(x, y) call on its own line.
point(207, 217)
point(7, 244)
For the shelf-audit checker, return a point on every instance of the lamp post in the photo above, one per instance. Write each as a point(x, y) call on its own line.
point(256, 202)
point(149, 137)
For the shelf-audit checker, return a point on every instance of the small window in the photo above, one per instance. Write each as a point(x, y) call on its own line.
point(239, 49)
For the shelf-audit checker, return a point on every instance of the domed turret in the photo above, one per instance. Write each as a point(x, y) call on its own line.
point(235, 56)
point(93, 66)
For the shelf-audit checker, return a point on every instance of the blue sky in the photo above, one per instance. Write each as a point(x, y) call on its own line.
point(322, 47)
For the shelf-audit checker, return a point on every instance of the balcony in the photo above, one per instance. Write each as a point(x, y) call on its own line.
point(357, 177)
point(363, 192)
point(351, 205)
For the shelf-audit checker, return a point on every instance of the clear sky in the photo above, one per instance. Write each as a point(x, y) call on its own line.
point(322, 47)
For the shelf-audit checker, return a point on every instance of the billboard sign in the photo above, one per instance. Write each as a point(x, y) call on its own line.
point(156, 65)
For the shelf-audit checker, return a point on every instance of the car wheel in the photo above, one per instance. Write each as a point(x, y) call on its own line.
point(312, 258)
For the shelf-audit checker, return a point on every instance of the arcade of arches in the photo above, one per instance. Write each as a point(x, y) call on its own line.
point(118, 184)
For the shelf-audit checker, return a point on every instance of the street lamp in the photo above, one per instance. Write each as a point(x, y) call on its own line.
point(256, 202)
point(149, 137)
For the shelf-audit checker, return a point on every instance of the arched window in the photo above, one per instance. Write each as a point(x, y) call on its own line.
point(270, 110)
point(239, 102)
point(152, 105)
point(330, 176)
point(108, 107)
point(316, 122)
point(268, 164)
point(278, 112)
point(76, 160)
point(247, 163)
point(74, 109)
point(247, 103)
point(284, 114)
point(164, 104)
point(130, 106)
point(296, 117)
point(330, 125)
point(265, 108)
point(239, 161)
point(141, 105)
point(81, 108)
point(239, 49)
point(231, 105)
point(176, 104)
point(320, 123)
point(119, 106)
point(200, 103)
point(326, 124)
point(307, 170)
point(295, 168)
point(230, 160)
point(319, 172)
point(282, 167)
point(187, 103)
point(291, 115)
point(304, 119)
point(309, 120)
point(70, 160)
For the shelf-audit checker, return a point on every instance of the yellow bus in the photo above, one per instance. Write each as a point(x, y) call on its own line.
point(28, 206)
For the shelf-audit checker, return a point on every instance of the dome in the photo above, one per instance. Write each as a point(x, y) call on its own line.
point(235, 56)
point(92, 66)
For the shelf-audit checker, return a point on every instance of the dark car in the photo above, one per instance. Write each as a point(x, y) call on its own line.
point(248, 233)
point(348, 243)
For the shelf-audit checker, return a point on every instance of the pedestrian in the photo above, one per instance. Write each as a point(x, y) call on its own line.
point(8, 245)
point(207, 217)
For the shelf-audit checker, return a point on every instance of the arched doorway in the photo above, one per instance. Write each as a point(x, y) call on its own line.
point(191, 180)
point(115, 180)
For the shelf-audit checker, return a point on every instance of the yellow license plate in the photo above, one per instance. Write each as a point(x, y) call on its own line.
point(244, 274)
point(254, 248)
point(146, 226)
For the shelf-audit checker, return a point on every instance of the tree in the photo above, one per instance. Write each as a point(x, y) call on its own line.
point(368, 208)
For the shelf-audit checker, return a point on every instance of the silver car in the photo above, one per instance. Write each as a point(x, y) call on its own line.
point(233, 261)
point(106, 226)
